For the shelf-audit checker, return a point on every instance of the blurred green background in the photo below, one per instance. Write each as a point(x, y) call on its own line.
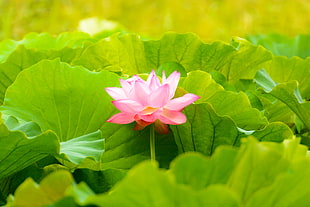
point(210, 19)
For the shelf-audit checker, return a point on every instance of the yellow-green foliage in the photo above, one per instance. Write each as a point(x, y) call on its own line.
point(210, 19)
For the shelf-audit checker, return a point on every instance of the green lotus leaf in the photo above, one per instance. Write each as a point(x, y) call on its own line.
point(281, 45)
point(257, 173)
point(125, 147)
point(198, 171)
point(117, 53)
point(17, 151)
point(18, 55)
point(287, 93)
point(46, 41)
point(235, 105)
point(283, 69)
point(53, 95)
point(259, 164)
point(246, 61)
point(134, 190)
point(204, 130)
point(51, 189)
point(287, 190)
point(82, 152)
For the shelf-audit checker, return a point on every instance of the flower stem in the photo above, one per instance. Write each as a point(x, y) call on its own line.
point(152, 143)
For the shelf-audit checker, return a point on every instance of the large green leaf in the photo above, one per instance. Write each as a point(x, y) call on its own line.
point(275, 132)
point(282, 45)
point(17, 151)
point(291, 67)
point(31, 129)
point(20, 59)
point(71, 101)
point(189, 51)
point(236, 106)
point(82, 152)
point(283, 69)
point(46, 41)
point(131, 55)
point(233, 178)
point(23, 58)
point(134, 190)
point(18, 55)
point(275, 110)
point(201, 84)
point(198, 171)
point(289, 189)
point(246, 61)
point(288, 93)
point(259, 164)
point(117, 53)
point(172, 47)
point(259, 173)
point(99, 181)
point(51, 189)
point(205, 130)
point(6, 48)
point(125, 147)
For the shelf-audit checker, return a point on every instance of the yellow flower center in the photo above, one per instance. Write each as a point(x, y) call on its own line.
point(149, 110)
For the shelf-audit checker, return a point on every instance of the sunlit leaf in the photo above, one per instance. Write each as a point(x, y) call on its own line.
point(83, 152)
point(51, 189)
point(125, 147)
point(53, 94)
point(283, 69)
point(204, 130)
point(281, 45)
point(289, 94)
point(17, 151)
point(134, 190)
point(259, 164)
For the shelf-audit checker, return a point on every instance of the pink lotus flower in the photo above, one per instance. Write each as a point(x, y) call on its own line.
point(150, 101)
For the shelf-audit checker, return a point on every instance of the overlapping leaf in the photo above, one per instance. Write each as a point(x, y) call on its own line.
point(256, 174)
point(45, 42)
point(71, 101)
point(53, 95)
point(69, 104)
point(236, 106)
point(83, 152)
point(205, 130)
point(17, 151)
point(281, 45)
point(134, 190)
point(287, 190)
point(124, 53)
point(199, 171)
point(18, 55)
point(131, 55)
point(261, 164)
point(50, 190)
point(246, 61)
point(125, 147)
point(288, 93)
point(20, 59)
point(283, 69)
